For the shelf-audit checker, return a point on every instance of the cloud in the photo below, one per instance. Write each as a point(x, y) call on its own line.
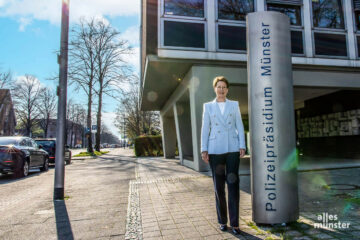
point(132, 35)
point(23, 23)
point(50, 10)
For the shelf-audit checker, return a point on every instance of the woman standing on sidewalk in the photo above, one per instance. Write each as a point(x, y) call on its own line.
point(222, 143)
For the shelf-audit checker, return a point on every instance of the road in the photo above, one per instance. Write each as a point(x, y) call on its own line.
point(96, 201)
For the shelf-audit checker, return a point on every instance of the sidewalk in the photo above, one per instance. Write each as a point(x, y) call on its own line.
point(170, 201)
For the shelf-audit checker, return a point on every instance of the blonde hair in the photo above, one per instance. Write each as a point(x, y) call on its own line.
point(220, 79)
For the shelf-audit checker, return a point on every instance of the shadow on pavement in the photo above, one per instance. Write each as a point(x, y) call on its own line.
point(63, 225)
point(10, 178)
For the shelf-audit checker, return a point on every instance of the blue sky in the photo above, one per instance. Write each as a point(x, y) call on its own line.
point(30, 37)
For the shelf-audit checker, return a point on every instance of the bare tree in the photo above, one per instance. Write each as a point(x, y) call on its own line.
point(82, 69)
point(112, 69)
point(47, 108)
point(136, 122)
point(27, 95)
point(6, 80)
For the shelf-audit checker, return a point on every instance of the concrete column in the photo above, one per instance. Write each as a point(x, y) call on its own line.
point(168, 135)
point(183, 127)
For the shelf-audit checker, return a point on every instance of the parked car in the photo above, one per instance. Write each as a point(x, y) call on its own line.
point(20, 154)
point(78, 146)
point(49, 145)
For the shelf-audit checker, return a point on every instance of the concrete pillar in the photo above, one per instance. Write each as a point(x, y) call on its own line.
point(183, 127)
point(168, 135)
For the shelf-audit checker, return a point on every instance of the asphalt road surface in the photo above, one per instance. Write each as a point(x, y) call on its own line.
point(96, 193)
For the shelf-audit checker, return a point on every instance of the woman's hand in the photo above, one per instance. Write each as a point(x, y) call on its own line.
point(205, 157)
point(242, 152)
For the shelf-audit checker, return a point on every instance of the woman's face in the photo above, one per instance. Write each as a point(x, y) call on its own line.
point(221, 90)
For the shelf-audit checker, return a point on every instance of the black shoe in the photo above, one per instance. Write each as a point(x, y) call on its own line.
point(235, 231)
point(223, 227)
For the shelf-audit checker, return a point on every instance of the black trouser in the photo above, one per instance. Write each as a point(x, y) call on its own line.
point(225, 167)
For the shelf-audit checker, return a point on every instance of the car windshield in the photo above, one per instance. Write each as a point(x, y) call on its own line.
point(7, 141)
point(46, 143)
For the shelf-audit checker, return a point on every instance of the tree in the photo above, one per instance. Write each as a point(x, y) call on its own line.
point(136, 122)
point(47, 108)
point(27, 95)
point(111, 68)
point(82, 68)
point(6, 80)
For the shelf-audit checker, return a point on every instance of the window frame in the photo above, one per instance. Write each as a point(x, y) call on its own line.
point(162, 40)
point(227, 22)
point(330, 56)
point(218, 49)
point(163, 15)
point(328, 31)
point(217, 19)
point(296, 28)
point(356, 30)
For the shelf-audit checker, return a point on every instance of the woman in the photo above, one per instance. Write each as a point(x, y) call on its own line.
point(222, 143)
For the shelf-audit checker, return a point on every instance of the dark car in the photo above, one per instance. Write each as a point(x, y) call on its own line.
point(49, 145)
point(19, 154)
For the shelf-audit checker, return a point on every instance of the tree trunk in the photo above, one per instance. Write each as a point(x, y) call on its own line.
point(98, 122)
point(89, 147)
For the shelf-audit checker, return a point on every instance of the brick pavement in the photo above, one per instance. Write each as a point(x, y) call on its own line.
point(170, 201)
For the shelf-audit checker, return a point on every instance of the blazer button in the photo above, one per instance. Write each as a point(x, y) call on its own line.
point(230, 115)
point(216, 124)
point(218, 131)
point(229, 122)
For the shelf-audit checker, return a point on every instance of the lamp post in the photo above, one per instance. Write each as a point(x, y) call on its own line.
point(62, 94)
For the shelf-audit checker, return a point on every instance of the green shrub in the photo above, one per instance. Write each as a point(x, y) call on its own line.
point(148, 146)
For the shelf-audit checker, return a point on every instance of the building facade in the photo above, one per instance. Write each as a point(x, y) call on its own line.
point(7, 114)
point(186, 43)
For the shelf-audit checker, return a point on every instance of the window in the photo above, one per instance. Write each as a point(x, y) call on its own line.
point(297, 42)
point(234, 9)
point(188, 8)
point(330, 44)
point(184, 34)
point(292, 11)
point(328, 14)
point(291, 8)
point(232, 37)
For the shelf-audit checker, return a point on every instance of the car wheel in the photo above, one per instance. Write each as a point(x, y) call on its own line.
point(45, 167)
point(23, 171)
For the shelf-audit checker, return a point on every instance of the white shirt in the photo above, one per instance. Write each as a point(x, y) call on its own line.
point(222, 107)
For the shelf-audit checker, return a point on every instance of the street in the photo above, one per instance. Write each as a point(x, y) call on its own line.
point(96, 193)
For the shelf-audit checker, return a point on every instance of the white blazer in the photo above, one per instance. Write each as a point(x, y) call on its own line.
point(222, 133)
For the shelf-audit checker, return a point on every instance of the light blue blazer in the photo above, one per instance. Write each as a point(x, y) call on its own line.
point(222, 133)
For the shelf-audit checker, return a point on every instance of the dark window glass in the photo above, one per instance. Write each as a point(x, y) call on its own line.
point(232, 37)
point(358, 45)
point(188, 8)
point(184, 34)
point(357, 19)
point(330, 44)
point(292, 11)
point(234, 9)
point(297, 42)
point(328, 14)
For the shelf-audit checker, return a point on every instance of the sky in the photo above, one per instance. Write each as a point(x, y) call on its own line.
point(30, 38)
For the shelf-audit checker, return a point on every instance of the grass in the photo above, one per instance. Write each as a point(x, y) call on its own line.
point(87, 154)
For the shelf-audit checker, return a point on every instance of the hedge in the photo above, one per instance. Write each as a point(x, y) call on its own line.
point(148, 146)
